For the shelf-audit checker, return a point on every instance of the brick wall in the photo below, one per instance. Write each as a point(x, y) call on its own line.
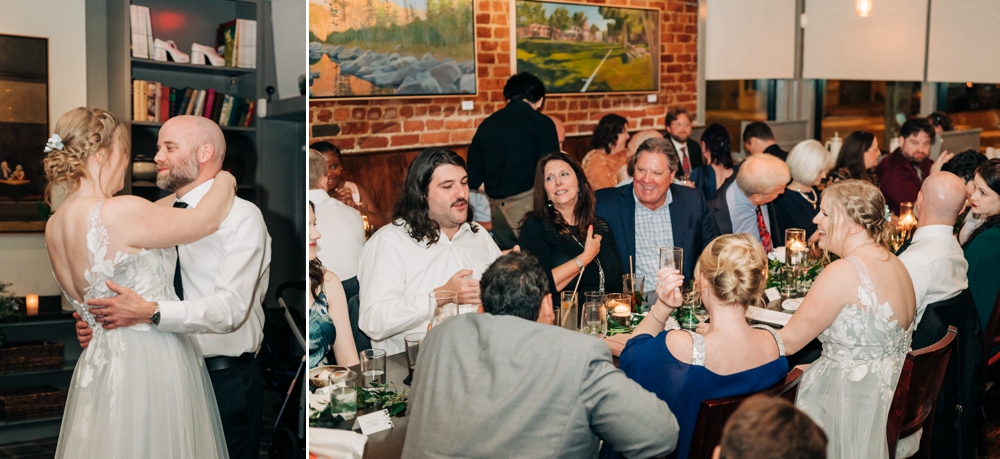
point(381, 125)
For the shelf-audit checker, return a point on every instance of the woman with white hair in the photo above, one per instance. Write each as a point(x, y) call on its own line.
point(808, 162)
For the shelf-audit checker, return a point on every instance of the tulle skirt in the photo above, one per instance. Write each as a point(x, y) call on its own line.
point(141, 393)
point(851, 401)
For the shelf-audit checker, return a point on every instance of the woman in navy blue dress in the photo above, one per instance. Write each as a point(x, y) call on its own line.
point(730, 358)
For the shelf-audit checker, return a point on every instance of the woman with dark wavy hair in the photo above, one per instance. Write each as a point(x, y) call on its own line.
point(565, 235)
point(609, 152)
point(857, 158)
point(982, 250)
point(709, 178)
point(328, 313)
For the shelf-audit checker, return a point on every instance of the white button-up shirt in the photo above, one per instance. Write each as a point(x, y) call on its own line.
point(397, 273)
point(342, 234)
point(936, 265)
point(225, 279)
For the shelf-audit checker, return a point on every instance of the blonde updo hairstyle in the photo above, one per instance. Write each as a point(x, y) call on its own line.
point(858, 202)
point(84, 132)
point(734, 267)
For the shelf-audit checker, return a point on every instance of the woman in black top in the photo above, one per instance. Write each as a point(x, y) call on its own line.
point(808, 162)
point(719, 166)
point(857, 159)
point(565, 235)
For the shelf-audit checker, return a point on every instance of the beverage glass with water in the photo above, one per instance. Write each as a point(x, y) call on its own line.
point(373, 366)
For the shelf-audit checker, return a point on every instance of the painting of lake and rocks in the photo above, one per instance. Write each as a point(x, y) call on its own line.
point(575, 48)
point(371, 48)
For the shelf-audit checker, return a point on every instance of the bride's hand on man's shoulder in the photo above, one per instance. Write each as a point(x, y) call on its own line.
point(227, 178)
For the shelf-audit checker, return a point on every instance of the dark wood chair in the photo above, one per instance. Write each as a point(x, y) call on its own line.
point(991, 339)
point(915, 401)
point(714, 413)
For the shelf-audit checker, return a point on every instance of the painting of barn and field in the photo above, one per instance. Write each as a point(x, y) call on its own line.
point(577, 48)
point(366, 48)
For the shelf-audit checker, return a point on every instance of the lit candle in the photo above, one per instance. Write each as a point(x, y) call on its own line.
point(797, 246)
point(31, 301)
point(621, 310)
point(907, 221)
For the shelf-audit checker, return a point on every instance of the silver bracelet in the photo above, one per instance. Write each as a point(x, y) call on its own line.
point(579, 264)
point(662, 322)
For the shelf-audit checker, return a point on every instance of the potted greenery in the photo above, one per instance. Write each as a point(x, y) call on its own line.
point(8, 308)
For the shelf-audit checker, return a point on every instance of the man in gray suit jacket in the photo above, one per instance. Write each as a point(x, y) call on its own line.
point(499, 384)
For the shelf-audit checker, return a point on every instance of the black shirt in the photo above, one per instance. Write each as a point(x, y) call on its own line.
point(795, 211)
point(543, 241)
point(777, 151)
point(507, 147)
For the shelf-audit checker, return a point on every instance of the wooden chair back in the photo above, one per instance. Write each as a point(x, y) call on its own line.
point(714, 413)
point(913, 405)
point(991, 336)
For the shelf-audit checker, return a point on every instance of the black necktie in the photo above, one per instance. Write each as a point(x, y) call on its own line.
point(178, 285)
point(905, 246)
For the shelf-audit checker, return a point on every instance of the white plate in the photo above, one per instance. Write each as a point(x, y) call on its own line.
point(791, 304)
point(767, 316)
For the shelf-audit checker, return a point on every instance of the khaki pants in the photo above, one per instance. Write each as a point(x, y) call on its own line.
point(507, 214)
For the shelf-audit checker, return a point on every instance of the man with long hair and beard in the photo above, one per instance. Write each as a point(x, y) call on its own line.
point(432, 245)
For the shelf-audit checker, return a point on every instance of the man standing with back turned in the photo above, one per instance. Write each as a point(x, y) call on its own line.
point(505, 151)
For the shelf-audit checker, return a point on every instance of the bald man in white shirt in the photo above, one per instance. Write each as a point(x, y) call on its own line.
point(221, 280)
point(933, 256)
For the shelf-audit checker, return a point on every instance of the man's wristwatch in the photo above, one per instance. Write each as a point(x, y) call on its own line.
point(155, 316)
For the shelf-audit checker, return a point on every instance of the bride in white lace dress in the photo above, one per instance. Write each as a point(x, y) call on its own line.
point(136, 391)
point(862, 307)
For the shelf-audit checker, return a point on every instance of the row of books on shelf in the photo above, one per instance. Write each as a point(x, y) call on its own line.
point(154, 102)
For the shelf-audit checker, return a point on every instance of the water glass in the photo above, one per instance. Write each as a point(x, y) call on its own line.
point(633, 285)
point(672, 257)
point(594, 320)
point(567, 316)
point(343, 394)
point(413, 341)
point(443, 304)
point(593, 297)
point(373, 366)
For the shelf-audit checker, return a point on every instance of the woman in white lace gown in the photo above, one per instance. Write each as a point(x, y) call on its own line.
point(862, 307)
point(136, 392)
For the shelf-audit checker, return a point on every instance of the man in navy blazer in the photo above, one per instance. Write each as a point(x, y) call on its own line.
point(690, 222)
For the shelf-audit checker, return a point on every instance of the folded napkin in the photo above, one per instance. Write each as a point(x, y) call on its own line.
point(336, 444)
point(767, 316)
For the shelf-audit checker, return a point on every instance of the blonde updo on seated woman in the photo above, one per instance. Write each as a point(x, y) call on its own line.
point(102, 245)
point(734, 267)
point(731, 358)
point(862, 307)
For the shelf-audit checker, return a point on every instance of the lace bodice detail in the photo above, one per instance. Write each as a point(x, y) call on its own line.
point(150, 273)
point(865, 332)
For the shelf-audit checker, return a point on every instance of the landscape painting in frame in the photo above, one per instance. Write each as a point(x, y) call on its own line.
point(372, 48)
point(576, 48)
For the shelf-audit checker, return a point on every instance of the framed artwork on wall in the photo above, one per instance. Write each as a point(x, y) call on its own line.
point(582, 48)
point(391, 48)
point(24, 129)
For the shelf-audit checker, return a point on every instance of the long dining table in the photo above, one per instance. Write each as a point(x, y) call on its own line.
point(387, 444)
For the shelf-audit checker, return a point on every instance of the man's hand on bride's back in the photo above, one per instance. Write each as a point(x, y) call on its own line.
point(124, 310)
point(83, 331)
